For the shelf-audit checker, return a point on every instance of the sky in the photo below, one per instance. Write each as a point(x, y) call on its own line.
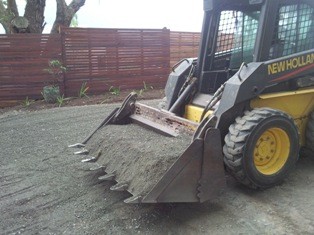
point(176, 15)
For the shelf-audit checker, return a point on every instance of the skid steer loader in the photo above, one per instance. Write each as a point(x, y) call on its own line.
point(245, 105)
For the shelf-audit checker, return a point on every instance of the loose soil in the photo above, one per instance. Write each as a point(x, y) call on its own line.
point(45, 189)
point(138, 157)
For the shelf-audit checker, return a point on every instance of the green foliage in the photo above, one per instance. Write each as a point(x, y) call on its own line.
point(56, 70)
point(51, 93)
point(139, 92)
point(74, 21)
point(7, 16)
point(83, 90)
point(27, 102)
point(145, 88)
point(60, 100)
point(114, 90)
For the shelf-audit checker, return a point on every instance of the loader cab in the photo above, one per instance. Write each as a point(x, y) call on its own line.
point(237, 31)
point(247, 31)
point(236, 28)
point(294, 30)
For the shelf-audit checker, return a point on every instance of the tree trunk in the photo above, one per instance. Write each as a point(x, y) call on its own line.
point(13, 7)
point(8, 14)
point(34, 13)
point(65, 13)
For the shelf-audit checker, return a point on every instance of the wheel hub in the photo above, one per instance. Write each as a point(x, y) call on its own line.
point(265, 149)
point(271, 151)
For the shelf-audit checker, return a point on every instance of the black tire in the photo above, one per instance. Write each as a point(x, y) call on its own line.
point(310, 133)
point(256, 148)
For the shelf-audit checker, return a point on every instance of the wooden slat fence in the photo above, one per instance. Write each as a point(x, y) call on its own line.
point(23, 59)
point(183, 45)
point(103, 58)
point(122, 58)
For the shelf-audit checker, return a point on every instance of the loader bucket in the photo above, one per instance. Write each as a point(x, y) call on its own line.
point(153, 156)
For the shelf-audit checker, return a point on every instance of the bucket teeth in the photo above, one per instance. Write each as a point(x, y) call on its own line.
point(107, 177)
point(82, 152)
point(91, 159)
point(77, 145)
point(119, 187)
point(96, 168)
point(134, 199)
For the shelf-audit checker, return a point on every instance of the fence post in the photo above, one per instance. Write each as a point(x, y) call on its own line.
point(167, 46)
point(63, 56)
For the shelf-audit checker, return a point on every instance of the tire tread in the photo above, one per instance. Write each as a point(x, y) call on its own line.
point(235, 141)
point(310, 133)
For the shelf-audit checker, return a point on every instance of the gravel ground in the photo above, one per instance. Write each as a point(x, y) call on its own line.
point(45, 189)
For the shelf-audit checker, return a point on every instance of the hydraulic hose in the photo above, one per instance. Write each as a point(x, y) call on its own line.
point(214, 100)
point(188, 90)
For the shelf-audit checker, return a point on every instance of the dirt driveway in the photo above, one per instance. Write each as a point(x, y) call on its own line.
point(45, 189)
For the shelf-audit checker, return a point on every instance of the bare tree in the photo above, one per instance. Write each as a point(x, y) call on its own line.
point(34, 13)
point(33, 20)
point(8, 11)
point(65, 13)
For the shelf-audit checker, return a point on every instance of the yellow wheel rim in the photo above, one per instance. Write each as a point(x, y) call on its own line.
point(271, 151)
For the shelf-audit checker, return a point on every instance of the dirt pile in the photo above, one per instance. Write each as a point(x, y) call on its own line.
point(137, 156)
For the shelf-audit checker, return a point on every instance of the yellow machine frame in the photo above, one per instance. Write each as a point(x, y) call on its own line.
point(298, 104)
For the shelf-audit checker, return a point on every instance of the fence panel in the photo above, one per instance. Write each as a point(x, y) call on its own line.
point(103, 58)
point(122, 58)
point(183, 45)
point(23, 59)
